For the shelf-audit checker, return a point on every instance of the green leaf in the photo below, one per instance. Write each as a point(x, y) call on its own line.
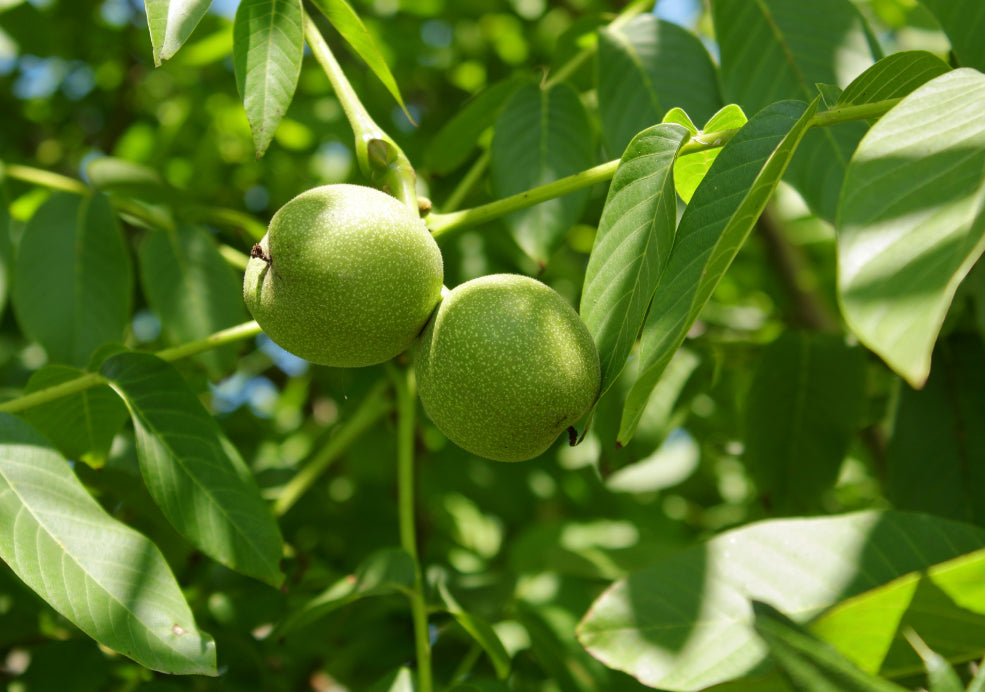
point(401, 680)
point(454, 142)
point(646, 67)
point(73, 281)
point(632, 245)
point(104, 577)
point(943, 422)
point(171, 22)
point(192, 289)
point(540, 136)
point(685, 623)
point(962, 22)
point(691, 169)
point(977, 683)
point(801, 412)
point(347, 22)
point(268, 45)
point(480, 631)
point(714, 226)
point(910, 223)
point(82, 425)
point(112, 175)
point(192, 471)
point(781, 49)
point(384, 572)
point(944, 603)
point(809, 664)
point(940, 675)
point(6, 255)
point(895, 76)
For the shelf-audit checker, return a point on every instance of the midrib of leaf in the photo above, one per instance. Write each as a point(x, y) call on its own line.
point(784, 47)
point(164, 442)
point(66, 554)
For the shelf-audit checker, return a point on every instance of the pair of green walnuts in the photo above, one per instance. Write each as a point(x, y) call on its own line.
point(347, 276)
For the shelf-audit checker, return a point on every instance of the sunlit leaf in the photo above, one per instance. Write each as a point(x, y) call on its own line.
point(893, 77)
point(809, 664)
point(268, 45)
point(911, 222)
point(690, 169)
point(714, 226)
point(171, 22)
point(685, 623)
point(944, 604)
point(632, 245)
point(347, 23)
point(103, 576)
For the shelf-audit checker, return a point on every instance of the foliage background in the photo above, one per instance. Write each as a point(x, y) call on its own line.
point(526, 546)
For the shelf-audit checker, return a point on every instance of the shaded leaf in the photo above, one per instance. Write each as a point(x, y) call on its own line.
point(809, 664)
point(192, 289)
point(646, 67)
point(82, 425)
point(801, 412)
point(171, 22)
point(962, 21)
point(347, 22)
point(268, 45)
point(632, 245)
point(454, 142)
point(541, 135)
point(480, 631)
point(73, 281)
point(910, 223)
point(685, 623)
point(944, 422)
point(895, 76)
point(106, 578)
point(944, 603)
point(780, 49)
point(714, 226)
point(112, 175)
point(193, 473)
point(384, 572)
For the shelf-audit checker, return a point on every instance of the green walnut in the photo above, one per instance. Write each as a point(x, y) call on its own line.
point(346, 276)
point(504, 366)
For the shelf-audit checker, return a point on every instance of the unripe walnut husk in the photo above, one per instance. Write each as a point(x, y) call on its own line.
point(504, 366)
point(346, 276)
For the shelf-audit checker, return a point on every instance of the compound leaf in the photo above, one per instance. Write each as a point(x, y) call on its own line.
point(632, 245)
point(714, 226)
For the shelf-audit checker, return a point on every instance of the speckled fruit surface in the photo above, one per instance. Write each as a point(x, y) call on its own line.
point(346, 276)
point(504, 366)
